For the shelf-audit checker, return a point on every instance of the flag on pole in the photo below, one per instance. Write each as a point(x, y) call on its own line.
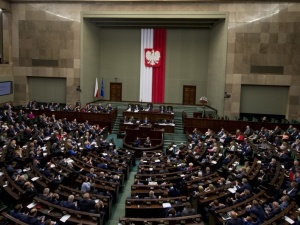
point(96, 93)
point(102, 89)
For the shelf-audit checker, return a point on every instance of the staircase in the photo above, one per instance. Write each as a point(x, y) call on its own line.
point(178, 136)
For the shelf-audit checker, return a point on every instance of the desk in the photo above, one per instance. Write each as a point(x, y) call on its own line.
point(152, 116)
point(156, 136)
point(103, 119)
point(154, 207)
point(168, 127)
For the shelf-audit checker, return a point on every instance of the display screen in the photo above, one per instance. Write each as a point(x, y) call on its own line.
point(5, 88)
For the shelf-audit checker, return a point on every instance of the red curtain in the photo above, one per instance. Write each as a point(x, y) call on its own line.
point(158, 79)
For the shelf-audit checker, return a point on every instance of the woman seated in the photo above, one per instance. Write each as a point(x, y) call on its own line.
point(147, 143)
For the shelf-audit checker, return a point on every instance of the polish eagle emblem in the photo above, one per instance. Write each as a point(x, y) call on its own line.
point(152, 57)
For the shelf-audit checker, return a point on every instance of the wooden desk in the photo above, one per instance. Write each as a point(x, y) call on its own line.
point(154, 207)
point(168, 128)
point(230, 125)
point(152, 116)
point(103, 119)
point(188, 220)
point(77, 217)
point(156, 137)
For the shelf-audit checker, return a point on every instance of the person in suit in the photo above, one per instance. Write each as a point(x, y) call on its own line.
point(69, 203)
point(87, 204)
point(146, 121)
point(162, 109)
point(292, 191)
point(129, 109)
point(16, 212)
point(256, 209)
point(47, 196)
point(32, 219)
point(271, 212)
point(147, 143)
point(234, 219)
point(151, 195)
point(55, 199)
point(188, 210)
point(137, 142)
point(245, 185)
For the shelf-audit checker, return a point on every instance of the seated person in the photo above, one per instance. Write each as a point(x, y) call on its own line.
point(147, 143)
point(137, 108)
point(271, 212)
point(129, 109)
point(151, 195)
point(137, 142)
point(146, 121)
point(87, 204)
point(170, 109)
point(149, 107)
point(69, 203)
point(188, 210)
point(162, 109)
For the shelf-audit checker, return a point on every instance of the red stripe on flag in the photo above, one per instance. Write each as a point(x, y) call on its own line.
point(158, 80)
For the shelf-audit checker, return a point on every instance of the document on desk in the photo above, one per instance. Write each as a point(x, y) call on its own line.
point(35, 178)
point(166, 205)
point(232, 190)
point(65, 218)
point(289, 220)
point(31, 205)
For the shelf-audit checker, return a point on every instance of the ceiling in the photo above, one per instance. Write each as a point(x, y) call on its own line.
point(199, 23)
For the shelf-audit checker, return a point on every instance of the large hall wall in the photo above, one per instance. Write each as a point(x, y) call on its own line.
point(258, 34)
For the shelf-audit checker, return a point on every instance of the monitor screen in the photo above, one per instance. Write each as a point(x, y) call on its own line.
point(5, 88)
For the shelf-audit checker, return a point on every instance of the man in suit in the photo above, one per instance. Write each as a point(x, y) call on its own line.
point(256, 209)
point(234, 219)
point(271, 212)
point(137, 142)
point(32, 219)
point(188, 210)
point(87, 204)
point(245, 185)
point(69, 203)
point(292, 191)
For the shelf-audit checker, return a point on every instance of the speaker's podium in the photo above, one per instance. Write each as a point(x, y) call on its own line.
point(143, 131)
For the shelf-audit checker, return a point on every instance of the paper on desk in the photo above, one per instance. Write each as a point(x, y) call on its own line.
point(65, 218)
point(31, 205)
point(289, 220)
point(1, 174)
point(26, 169)
point(232, 190)
point(213, 162)
point(34, 178)
point(166, 205)
point(97, 200)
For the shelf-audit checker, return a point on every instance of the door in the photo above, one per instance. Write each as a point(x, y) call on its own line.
point(116, 92)
point(189, 95)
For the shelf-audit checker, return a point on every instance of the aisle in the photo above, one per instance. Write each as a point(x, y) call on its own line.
point(119, 207)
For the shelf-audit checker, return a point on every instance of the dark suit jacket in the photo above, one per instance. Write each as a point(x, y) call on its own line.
point(86, 205)
point(292, 193)
point(258, 211)
point(237, 221)
point(273, 213)
point(69, 205)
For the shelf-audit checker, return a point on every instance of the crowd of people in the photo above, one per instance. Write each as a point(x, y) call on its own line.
point(53, 106)
point(209, 152)
point(49, 143)
point(202, 155)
